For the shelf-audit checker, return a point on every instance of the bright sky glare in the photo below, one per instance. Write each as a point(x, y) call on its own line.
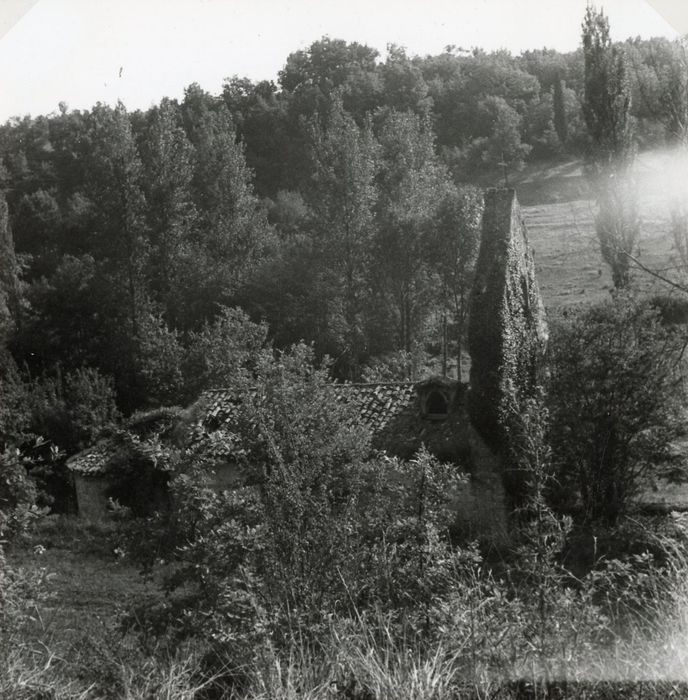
point(84, 51)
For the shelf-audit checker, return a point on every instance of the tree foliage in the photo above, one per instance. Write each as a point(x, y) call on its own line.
point(71, 410)
point(607, 111)
point(455, 241)
point(412, 183)
point(614, 392)
point(9, 275)
point(342, 202)
point(560, 117)
point(324, 204)
point(607, 101)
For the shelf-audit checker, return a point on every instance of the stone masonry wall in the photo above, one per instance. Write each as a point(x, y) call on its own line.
point(90, 497)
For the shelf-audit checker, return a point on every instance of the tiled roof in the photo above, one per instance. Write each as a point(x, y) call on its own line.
point(390, 410)
point(377, 404)
point(93, 460)
point(393, 413)
point(104, 455)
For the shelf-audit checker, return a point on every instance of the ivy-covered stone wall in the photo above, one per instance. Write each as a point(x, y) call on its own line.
point(507, 331)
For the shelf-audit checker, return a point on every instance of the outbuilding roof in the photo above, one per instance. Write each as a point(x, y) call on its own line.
point(141, 435)
point(392, 411)
point(93, 460)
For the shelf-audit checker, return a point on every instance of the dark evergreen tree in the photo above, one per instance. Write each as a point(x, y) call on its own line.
point(12, 392)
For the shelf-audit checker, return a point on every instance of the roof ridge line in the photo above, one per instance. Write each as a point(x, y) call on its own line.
point(347, 383)
point(407, 383)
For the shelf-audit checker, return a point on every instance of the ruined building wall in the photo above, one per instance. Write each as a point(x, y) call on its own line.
point(507, 331)
point(91, 496)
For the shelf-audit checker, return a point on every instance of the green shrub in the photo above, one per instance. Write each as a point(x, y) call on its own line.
point(322, 527)
point(17, 495)
point(613, 399)
point(71, 410)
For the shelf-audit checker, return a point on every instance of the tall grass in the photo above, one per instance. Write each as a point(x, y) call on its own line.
point(363, 659)
point(628, 630)
point(483, 644)
point(651, 643)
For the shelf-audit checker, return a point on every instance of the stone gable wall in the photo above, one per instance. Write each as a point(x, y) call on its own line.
point(507, 332)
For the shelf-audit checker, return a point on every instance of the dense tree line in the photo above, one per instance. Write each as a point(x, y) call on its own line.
point(339, 206)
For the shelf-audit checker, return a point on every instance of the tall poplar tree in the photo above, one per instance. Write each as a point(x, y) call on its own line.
point(456, 241)
point(607, 112)
point(171, 214)
point(412, 184)
point(233, 233)
point(342, 199)
point(115, 187)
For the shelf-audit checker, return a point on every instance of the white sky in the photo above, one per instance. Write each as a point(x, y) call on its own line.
point(84, 51)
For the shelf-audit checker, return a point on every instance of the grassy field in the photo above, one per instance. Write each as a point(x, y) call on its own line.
point(70, 637)
point(559, 214)
point(71, 647)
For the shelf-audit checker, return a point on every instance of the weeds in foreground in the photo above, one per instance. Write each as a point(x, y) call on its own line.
point(521, 629)
point(477, 648)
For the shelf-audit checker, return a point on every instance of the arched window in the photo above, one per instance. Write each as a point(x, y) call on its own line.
point(436, 405)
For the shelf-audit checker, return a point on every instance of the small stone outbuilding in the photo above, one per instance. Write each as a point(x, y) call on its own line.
point(130, 467)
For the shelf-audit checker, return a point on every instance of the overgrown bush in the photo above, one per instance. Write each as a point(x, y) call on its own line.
point(330, 566)
point(613, 398)
point(159, 359)
point(71, 410)
point(17, 495)
point(221, 351)
point(322, 528)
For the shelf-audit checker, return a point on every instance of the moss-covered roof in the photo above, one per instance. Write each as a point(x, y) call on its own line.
point(142, 434)
point(392, 411)
point(93, 460)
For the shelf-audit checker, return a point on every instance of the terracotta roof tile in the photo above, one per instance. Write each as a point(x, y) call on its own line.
point(390, 410)
point(377, 404)
point(93, 460)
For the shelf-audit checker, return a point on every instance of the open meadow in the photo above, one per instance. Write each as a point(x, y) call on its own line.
point(559, 213)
